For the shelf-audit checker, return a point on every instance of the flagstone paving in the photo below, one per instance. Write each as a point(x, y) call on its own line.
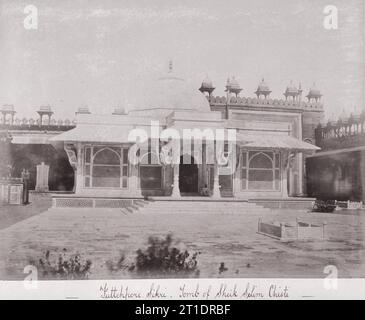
point(103, 234)
point(10, 214)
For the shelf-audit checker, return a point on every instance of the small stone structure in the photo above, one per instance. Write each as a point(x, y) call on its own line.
point(292, 230)
point(355, 205)
point(42, 178)
point(11, 191)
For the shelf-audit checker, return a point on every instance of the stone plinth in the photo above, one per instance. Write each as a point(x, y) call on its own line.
point(42, 178)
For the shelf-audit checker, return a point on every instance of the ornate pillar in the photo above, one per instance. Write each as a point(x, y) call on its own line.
point(216, 192)
point(175, 185)
point(285, 173)
point(301, 174)
point(236, 175)
point(133, 181)
point(288, 158)
point(72, 158)
point(79, 177)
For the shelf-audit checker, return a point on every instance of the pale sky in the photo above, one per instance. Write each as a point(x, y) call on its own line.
point(99, 53)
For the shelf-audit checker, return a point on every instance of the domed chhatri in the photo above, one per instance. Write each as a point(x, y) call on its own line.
point(292, 91)
point(263, 89)
point(207, 86)
point(8, 109)
point(233, 86)
point(45, 110)
point(314, 94)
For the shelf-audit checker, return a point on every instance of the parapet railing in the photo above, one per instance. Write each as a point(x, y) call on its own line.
point(221, 100)
point(35, 125)
point(341, 134)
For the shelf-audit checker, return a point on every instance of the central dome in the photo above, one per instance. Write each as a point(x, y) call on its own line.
point(171, 92)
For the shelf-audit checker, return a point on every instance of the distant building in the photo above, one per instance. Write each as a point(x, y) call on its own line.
point(338, 171)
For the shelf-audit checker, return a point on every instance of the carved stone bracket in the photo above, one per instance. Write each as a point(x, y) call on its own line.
point(71, 154)
point(289, 160)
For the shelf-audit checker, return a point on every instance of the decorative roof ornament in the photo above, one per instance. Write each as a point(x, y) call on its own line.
point(207, 86)
point(45, 110)
point(8, 108)
point(233, 86)
point(314, 93)
point(291, 91)
point(263, 89)
point(170, 74)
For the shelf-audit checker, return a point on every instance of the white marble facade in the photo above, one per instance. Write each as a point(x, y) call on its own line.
point(269, 149)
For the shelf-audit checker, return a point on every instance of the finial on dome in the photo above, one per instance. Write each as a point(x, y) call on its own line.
point(170, 66)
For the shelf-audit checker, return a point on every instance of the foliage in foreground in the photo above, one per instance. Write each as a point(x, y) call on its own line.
point(65, 267)
point(162, 257)
point(324, 206)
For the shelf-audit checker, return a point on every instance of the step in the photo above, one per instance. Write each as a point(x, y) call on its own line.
point(203, 207)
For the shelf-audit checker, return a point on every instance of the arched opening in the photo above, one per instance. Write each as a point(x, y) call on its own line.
point(106, 169)
point(150, 171)
point(188, 175)
point(261, 171)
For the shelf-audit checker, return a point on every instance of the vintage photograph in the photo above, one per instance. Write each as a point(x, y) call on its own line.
point(182, 139)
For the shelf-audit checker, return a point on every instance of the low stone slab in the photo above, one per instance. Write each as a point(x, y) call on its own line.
point(292, 230)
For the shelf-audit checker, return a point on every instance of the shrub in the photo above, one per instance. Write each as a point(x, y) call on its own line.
point(65, 267)
point(324, 206)
point(120, 265)
point(164, 257)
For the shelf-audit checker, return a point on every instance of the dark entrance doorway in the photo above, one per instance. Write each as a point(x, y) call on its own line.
point(188, 175)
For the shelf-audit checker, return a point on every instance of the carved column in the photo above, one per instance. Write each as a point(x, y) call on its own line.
point(284, 174)
point(79, 177)
point(216, 186)
point(133, 180)
point(72, 158)
point(175, 185)
point(288, 158)
point(236, 173)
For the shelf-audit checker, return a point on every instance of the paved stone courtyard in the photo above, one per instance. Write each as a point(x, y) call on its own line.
point(11, 214)
point(102, 234)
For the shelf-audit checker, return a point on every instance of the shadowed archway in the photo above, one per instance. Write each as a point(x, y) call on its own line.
point(188, 176)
